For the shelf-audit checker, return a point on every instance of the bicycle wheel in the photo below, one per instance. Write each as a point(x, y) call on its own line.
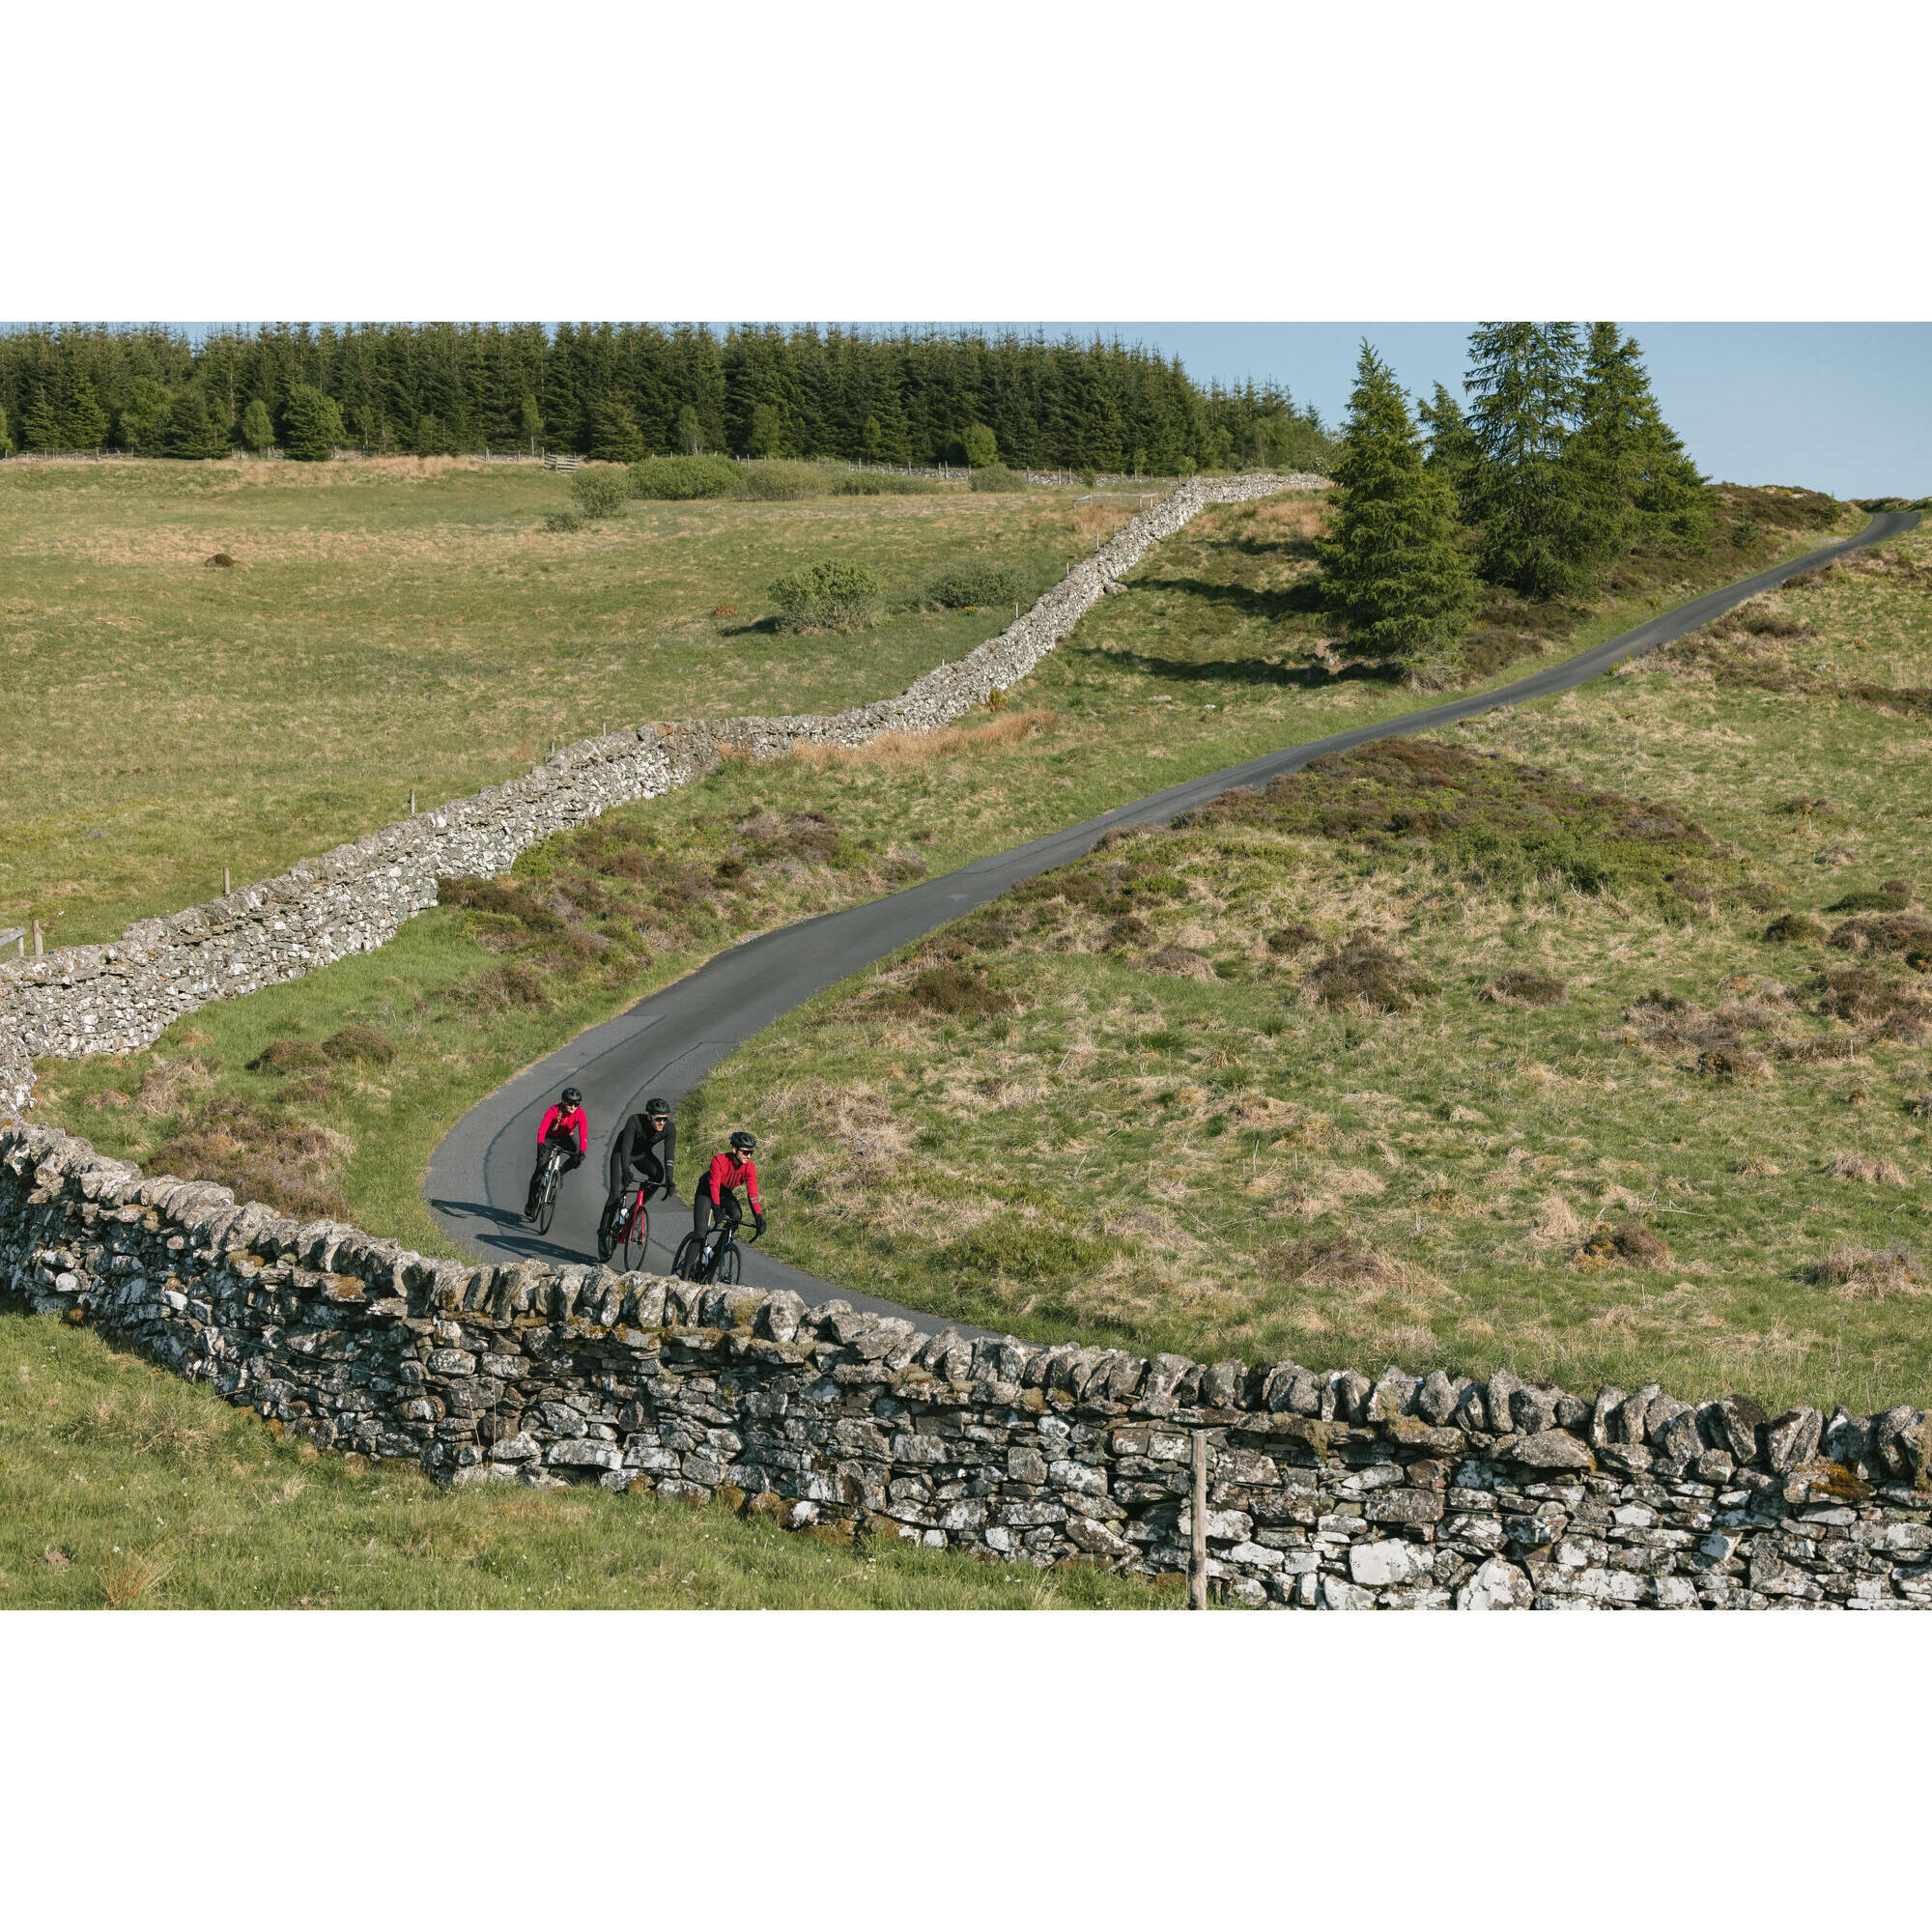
point(546, 1201)
point(728, 1261)
point(636, 1235)
point(684, 1265)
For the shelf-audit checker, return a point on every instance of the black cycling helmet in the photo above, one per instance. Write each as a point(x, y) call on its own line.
point(657, 1108)
point(573, 1096)
point(744, 1143)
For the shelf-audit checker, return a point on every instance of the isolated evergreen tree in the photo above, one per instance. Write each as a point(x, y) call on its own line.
point(311, 424)
point(1636, 485)
point(191, 433)
point(1393, 567)
point(1453, 451)
point(1524, 501)
point(258, 430)
point(614, 435)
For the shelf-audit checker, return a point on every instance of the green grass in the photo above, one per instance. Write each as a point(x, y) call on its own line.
point(1200, 1151)
point(1200, 665)
point(120, 1485)
point(399, 623)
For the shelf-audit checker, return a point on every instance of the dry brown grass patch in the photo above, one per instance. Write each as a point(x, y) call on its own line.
point(131, 1573)
point(897, 750)
point(1869, 1274)
point(1873, 1170)
point(1342, 1262)
point(1525, 986)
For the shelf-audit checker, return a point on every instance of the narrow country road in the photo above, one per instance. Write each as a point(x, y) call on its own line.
point(669, 1043)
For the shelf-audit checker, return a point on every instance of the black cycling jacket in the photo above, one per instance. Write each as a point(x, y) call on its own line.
point(635, 1140)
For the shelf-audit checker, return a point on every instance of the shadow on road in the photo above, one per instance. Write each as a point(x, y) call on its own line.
point(514, 1236)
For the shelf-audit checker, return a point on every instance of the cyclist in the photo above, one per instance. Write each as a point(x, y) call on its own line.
point(644, 1152)
point(564, 1126)
point(715, 1195)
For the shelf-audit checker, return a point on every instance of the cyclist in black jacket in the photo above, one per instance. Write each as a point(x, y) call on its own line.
point(643, 1153)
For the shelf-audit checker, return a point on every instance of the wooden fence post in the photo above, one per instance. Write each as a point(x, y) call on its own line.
point(1197, 1562)
point(226, 888)
point(40, 942)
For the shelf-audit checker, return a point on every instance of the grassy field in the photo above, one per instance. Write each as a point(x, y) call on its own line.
point(122, 1487)
point(328, 1094)
point(1115, 1152)
point(394, 623)
point(1439, 1057)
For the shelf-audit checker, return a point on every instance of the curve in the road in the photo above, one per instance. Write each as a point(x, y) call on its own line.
point(669, 1043)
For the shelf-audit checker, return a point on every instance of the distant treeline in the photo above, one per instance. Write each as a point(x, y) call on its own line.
point(622, 390)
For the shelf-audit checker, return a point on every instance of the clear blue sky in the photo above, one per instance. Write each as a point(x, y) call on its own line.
point(1845, 406)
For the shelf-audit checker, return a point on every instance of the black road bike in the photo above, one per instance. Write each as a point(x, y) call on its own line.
point(553, 1175)
point(715, 1259)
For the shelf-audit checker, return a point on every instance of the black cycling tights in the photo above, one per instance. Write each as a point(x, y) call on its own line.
point(702, 1211)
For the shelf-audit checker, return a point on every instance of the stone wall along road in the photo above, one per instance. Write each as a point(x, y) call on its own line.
point(1328, 1490)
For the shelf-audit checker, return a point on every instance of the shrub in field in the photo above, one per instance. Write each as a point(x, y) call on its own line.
point(883, 483)
point(681, 480)
point(977, 581)
point(781, 480)
point(983, 450)
point(1366, 972)
point(311, 424)
point(828, 597)
point(599, 493)
point(998, 477)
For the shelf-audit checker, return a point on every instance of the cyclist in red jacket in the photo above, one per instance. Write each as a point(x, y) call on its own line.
point(715, 1195)
point(564, 1126)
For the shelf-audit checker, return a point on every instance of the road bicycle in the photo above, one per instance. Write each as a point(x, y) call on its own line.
point(552, 1174)
point(630, 1235)
point(716, 1259)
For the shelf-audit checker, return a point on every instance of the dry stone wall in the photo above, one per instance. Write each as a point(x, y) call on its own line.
point(1328, 1490)
point(114, 999)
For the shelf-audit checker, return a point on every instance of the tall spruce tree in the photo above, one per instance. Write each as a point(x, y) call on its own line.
point(258, 430)
point(1453, 451)
point(83, 423)
point(144, 418)
point(192, 432)
point(1393, 568)
point(1637, 487)
point(615, 435)
point(1525, 502)
point(311, 424)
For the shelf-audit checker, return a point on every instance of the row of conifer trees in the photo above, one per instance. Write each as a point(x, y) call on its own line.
point(1561, 463)
point(623, 390)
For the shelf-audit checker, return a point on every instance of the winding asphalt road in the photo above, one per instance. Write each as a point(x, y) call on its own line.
point(669, 1043)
